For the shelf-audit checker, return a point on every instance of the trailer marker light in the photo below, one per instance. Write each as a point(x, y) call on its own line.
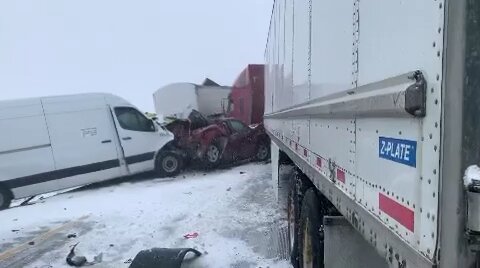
point(341, 175)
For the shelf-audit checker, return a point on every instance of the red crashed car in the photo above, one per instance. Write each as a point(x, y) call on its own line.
point(219, 140)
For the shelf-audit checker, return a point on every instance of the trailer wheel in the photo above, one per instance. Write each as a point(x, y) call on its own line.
point(168, 164)
point(311, 232)
point(294, 202)
point(5, 198)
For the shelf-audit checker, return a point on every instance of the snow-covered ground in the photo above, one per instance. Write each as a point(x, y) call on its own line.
point(233, 211)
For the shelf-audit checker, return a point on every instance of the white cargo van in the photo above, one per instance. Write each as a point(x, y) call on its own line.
point(54, 143)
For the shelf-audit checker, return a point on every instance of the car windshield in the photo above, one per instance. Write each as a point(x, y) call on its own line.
point(239, 134)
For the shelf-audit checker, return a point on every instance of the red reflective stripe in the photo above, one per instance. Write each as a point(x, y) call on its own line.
point(397, 211)
point(341, 175)
point(305, 153)
point(296, 146)
point(319, 162)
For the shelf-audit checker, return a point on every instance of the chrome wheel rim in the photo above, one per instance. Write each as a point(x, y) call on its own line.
point(213, 153)
point(169, 164)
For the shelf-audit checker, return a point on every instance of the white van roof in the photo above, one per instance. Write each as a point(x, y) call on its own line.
point(105, 98)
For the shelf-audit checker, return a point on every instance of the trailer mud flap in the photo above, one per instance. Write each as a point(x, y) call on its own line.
point(162, 257)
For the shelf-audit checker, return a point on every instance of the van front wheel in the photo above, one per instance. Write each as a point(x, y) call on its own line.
point(5, 199)
point(168, 164)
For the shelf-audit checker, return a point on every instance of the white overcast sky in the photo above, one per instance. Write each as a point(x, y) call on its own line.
point(129, 48)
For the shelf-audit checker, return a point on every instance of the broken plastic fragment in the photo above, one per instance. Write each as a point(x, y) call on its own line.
point(79, 261)
point(163, 257)
point(191, 235)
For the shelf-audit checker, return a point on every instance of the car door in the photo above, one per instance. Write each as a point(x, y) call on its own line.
point(139, 137)
point(241, 139)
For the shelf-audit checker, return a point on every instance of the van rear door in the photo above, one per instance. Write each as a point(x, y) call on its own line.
point(83, 140)
point(25, 152)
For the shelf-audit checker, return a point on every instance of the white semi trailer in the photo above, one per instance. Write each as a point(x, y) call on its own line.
point(376, 105)
point(179, 99)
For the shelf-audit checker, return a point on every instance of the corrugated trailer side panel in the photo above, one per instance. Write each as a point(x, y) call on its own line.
point(347, 122)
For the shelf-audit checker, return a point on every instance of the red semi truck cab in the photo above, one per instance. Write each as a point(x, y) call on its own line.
point(246, 101)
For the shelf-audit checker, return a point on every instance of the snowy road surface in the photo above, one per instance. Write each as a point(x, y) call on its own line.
point(233, 211)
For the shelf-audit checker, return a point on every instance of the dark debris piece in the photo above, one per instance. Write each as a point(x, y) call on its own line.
point(162, 257)
point(71, 235)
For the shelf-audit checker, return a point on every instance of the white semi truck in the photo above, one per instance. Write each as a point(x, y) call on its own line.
point(376, 105)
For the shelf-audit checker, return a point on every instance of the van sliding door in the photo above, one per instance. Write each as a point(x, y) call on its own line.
point(83, 144)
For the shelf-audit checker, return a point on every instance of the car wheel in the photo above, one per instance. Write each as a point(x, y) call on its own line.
point(5, 199)
point(311, 235)
point(213, 155)
point(263, 152)
point(169, 164)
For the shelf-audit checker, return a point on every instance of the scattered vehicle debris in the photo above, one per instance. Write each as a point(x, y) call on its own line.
point(72, 236)
point(221, 140)
point(163, 257)
point(191, 235)
point(79, 261)
point(26, 202)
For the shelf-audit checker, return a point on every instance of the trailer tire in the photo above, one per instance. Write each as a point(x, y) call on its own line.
point(168, 164)
point(296, 191)
point(5, 198)
point(311, 244)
